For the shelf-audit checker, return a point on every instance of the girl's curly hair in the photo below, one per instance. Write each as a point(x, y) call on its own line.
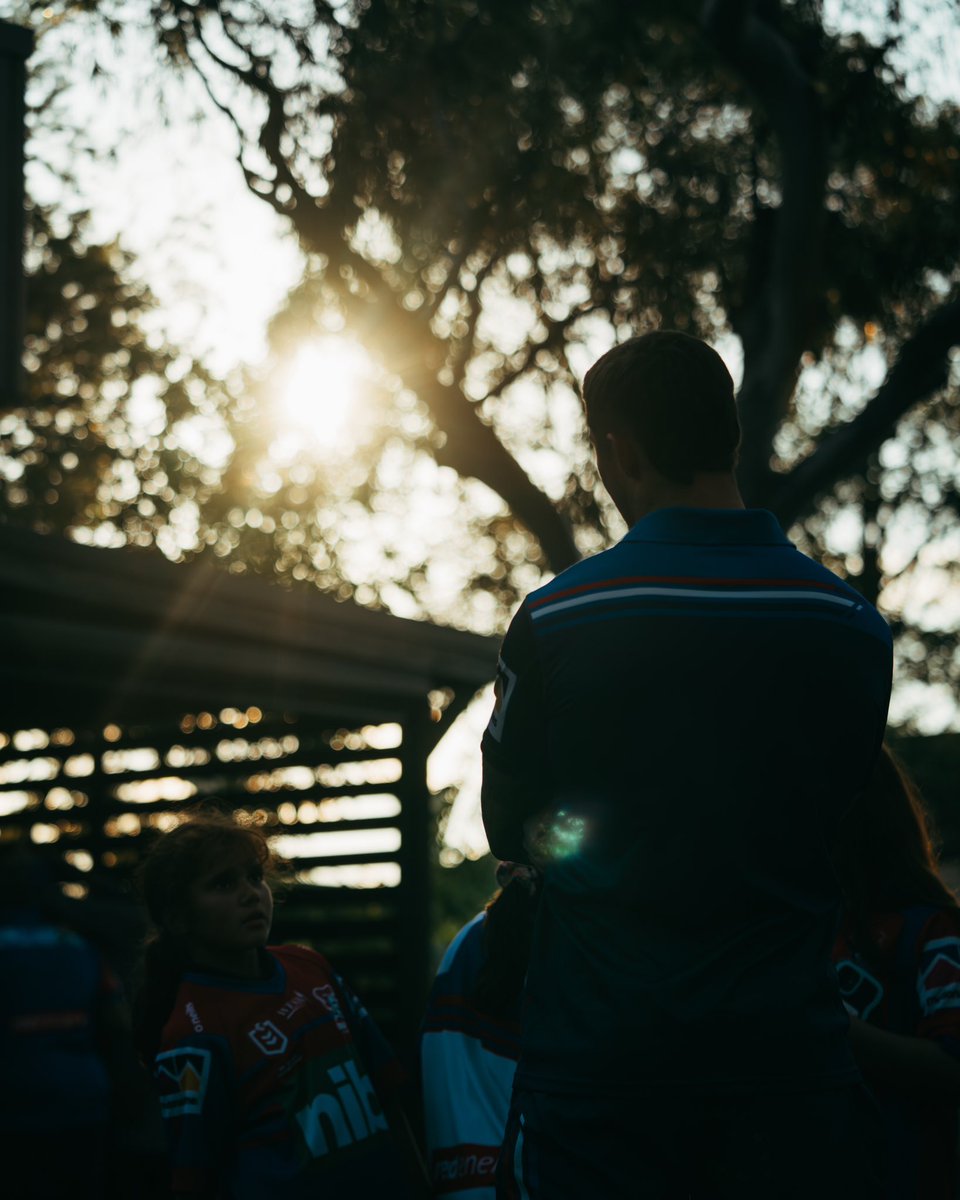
point(172, 865)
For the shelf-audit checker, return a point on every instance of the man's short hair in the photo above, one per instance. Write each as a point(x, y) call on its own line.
point(674, 394)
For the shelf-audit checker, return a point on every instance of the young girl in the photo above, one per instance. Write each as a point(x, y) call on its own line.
point(273, 1079)
point(898, 962)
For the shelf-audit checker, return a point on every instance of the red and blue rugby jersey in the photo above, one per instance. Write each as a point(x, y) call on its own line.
point(903, 976)
point(468, 1060)
point(273, 1087)
point(694, 706)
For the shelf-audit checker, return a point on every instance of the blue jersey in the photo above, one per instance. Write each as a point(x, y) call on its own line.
point(55, 987)
point(694, 707)
point(274, 1087)
point(468, 1060)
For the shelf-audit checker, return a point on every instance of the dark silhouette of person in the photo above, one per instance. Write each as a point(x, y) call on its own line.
point(679, 723)
point(66, 1058)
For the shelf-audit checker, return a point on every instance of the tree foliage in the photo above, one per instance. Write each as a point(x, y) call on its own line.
point(488, 193)
point(95, 445)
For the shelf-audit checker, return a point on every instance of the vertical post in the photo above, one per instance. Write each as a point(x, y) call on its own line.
point(415, 831)
point(16, 45)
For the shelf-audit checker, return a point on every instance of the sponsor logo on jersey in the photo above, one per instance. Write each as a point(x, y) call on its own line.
point(183, 1075)
point(267, 1038)
point(293, 1005)
point(860, 991)
point(465, 1166)
point(503, 687)
point(194, 1016)
point(939, 984)
point(346, 1110)
point(331, 1002)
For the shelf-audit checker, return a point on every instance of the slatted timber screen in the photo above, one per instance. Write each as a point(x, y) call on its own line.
point(343, 806)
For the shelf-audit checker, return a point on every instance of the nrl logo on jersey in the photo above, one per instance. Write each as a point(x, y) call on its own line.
point(267, 1038)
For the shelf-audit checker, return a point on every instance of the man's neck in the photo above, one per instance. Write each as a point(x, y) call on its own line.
point(709, 489)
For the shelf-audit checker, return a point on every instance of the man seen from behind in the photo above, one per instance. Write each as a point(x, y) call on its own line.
point(680, 721)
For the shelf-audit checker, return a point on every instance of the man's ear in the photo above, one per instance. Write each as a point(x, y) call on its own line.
point(626, 454)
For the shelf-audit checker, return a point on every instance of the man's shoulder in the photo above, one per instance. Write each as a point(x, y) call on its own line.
point(666, 561)
point(863, 612)
point(590, 570)
point(760, 574)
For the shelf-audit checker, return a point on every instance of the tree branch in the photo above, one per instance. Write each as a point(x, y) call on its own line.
point(921, 369)
point(473, 449)
point(775, 320)
point(403, 337)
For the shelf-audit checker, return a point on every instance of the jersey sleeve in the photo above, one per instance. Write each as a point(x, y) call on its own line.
point(450, 1004)
point(385, 1069)
point(515, 737)
point(938, 980)
point(193, 1083)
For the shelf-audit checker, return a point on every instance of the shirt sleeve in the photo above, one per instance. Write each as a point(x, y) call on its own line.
point(515, 737)
point(192, 1080)
point(376, 1053)
point(938, 980)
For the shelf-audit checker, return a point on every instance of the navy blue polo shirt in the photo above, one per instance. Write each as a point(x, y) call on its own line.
point(693, 708)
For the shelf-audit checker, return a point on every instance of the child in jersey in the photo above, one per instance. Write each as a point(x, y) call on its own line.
point(273, 1079)
point(897, 957)
point(470, 1040)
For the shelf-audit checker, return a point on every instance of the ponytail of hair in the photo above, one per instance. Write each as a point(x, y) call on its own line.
point(164, 962)
point(884, 853)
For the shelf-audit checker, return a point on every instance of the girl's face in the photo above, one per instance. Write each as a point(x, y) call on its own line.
point(230, 910)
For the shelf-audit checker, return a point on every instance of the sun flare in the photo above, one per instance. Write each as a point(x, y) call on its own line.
point(323, 388)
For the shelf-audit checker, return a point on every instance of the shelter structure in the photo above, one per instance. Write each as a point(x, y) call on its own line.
point(132, 687)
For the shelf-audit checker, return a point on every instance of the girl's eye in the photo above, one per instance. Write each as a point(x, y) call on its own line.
point(255, 876)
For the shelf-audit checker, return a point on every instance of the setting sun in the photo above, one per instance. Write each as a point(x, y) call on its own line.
point(323, 388)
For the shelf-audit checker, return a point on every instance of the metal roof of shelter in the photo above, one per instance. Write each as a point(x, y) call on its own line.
point(126, 634)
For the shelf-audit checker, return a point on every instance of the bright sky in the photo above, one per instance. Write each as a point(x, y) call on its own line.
point(219, 260)
point(931, 59)
point(221, 263)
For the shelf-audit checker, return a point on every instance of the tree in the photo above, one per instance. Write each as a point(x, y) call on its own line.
point(95, 448)
point(738, 169)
